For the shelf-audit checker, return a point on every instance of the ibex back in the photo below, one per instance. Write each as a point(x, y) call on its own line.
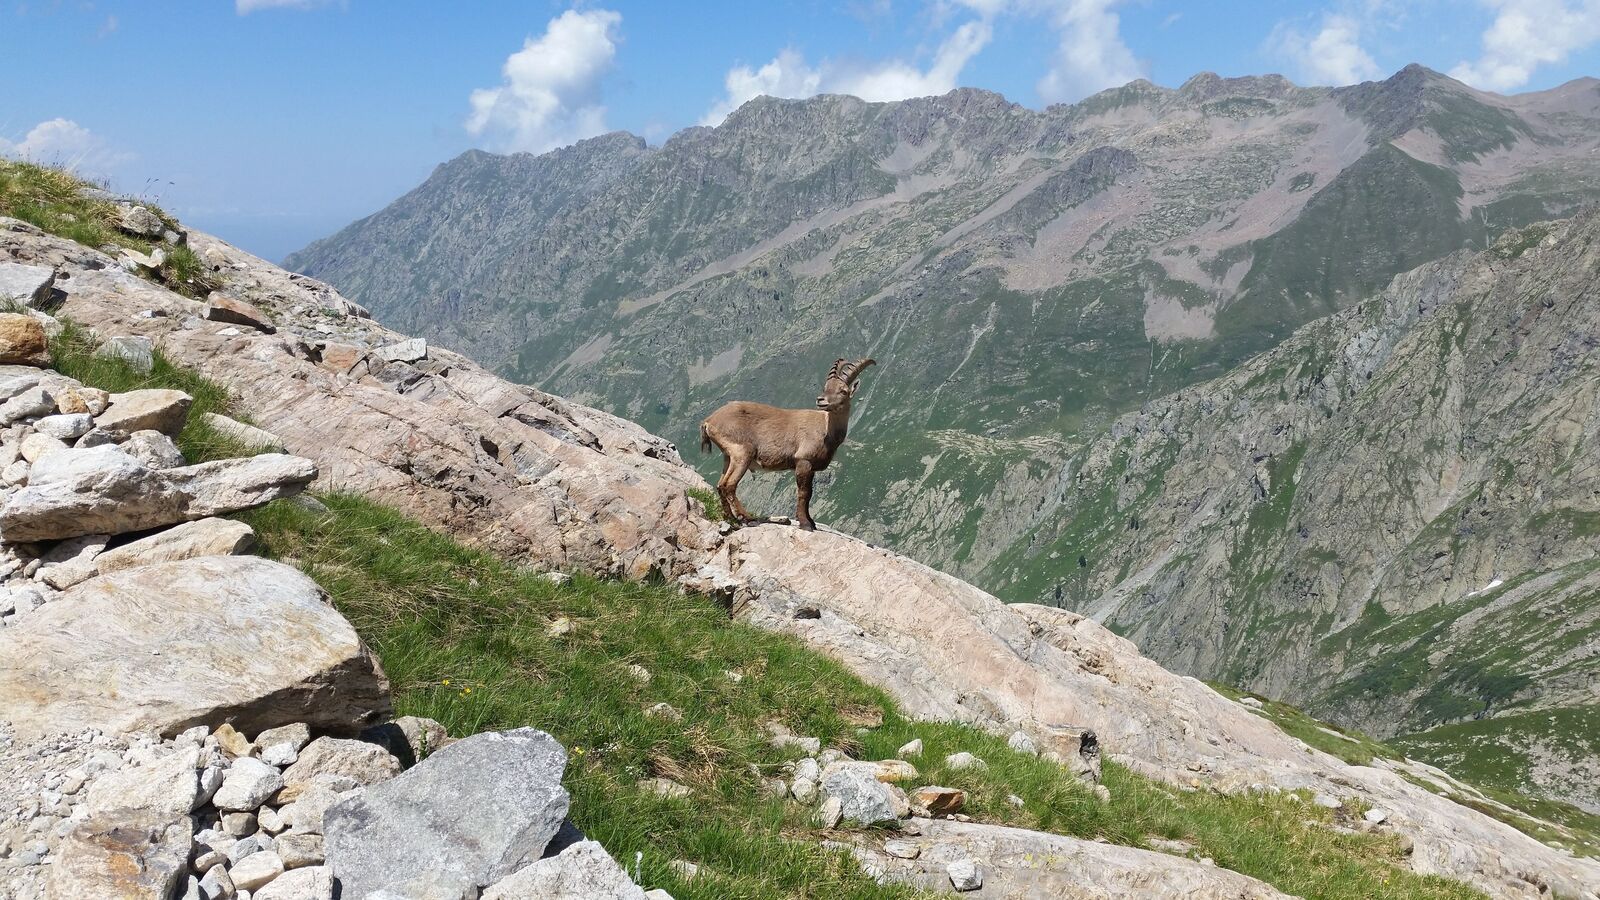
point(772, 439)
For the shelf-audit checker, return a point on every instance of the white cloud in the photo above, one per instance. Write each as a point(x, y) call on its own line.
point(65, 143)
point(1091, 55)
point(789, 75)
point(1333, 55)
point(246, 7)
point(1527, 34)
point(550, 96)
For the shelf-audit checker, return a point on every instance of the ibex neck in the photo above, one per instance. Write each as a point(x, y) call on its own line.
point(838, 424)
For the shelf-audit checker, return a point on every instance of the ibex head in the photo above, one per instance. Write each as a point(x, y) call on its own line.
point(841, 384)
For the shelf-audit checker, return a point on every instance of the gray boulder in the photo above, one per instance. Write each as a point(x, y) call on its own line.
point(137, 351)
point(158, 409)
point(862, 797)
point(462, 819)
point(582, 871)
point(28, 285)
point(203, 537)
point(176, 644)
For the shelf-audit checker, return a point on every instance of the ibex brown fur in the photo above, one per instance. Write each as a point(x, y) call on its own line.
point(773, 439)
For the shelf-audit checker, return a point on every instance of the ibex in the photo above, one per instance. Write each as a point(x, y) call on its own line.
point(773, 439)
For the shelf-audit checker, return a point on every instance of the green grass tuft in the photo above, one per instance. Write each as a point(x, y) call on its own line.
point(72, 353)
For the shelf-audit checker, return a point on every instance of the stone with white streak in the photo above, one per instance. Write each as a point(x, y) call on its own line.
point(27, 285)
point(103, 490)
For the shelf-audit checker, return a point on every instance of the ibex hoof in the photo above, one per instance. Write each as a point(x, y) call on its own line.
point(808, 526)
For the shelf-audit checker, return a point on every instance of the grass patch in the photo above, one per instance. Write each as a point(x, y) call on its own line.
point(709, 504)
point(1353, 747)
point(464, 639)
point(72, 353)
point(59, 202)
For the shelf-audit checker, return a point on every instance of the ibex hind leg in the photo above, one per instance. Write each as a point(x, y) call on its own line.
point(735, 465)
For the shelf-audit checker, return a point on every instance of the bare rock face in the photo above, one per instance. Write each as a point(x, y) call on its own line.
point(948, 651)
point(171, 645)
point(103, 490)
point(462, 819)
point(1023, 865)
point(223, 308)
point(129, 853)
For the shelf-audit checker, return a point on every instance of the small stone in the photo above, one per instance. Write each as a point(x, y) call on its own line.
point(902, 849)
point(773, 787)
point(1376, 816)
point(279, 746)
point(256, 440)
point(270, 820)
point(910, 748)
point(639, 673)
point(559, 628)
point(664, 711)
point(30, 404)
point(38, 445)
point(939, 801)
point(964, 760)
point(215, 883)
point(891, 771)
point(964, 875)
point(1251, 702)
point(157, 409)
point(297, 850)
point(410, 350)
point(83, 400)
point(686, 870)
point(364, 762)
point(665, 788)
point(22, 341)
point(239, 824)
point(138, 352)
point(232, 311)
point(154, 449)
point(308, 883)
point(27, 285)
point(256, 870)
point(732, 676)
point(248, 784)
point(807, 776)
point(139, 220)
point(1102, 793)
point(1327, 802)
point(65, 426)
point(1020, 742)
point(1014, 800)
point(830, 813)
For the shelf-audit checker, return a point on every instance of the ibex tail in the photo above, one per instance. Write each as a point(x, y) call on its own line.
point(705, 439)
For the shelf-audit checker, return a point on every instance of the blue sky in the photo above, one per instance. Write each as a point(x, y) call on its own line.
point(273, 122)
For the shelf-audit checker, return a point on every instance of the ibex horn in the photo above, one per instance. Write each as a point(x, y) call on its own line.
point(837, 365)
point(854, 370)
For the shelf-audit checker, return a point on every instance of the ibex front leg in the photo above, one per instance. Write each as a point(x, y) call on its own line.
point(802, 492)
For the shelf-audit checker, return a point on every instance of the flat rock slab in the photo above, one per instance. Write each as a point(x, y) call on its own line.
point(1029, 865)
point(103, 490)
point(462, 819)
point(164, 647)
point(203, 537)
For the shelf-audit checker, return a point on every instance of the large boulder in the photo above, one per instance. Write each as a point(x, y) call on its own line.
point(582, 871)
point(862, 797)
point(129, 854)
point(168, 646)
point(461, 820)
point(103, 490)
point(360, 761)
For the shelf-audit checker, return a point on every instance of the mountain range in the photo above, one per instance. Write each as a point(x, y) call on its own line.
point(1284, 383)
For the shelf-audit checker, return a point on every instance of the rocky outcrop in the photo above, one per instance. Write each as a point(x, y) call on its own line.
point(171, 645)
point(994, 861)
